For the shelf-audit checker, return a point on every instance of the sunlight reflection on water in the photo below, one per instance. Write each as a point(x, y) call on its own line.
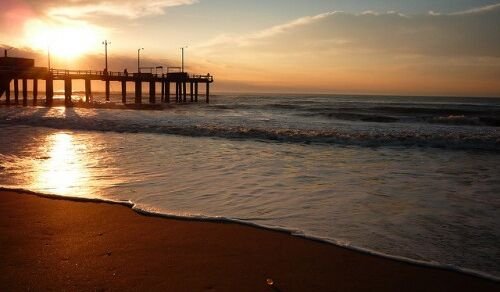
point(63, 172)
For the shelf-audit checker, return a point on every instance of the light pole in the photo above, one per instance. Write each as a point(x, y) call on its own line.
point(182, 53)
point(48, 57)
point(106, 43)
point(139, 60)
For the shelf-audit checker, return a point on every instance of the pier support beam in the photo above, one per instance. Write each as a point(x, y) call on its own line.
point(184, 94)
point(107, 89)
point(124, 91)
point(177, 93)
point(162, 91)
point(7, 92)
point(208, 93)
point(138, 91)
point(25, 91)
point(152, 91)
point(167, 91)
point(16, 91)
point(67, 91)
point(191, 93)
point(196, 91)
point(35, 91)
point(49, 91)
point(88, 90)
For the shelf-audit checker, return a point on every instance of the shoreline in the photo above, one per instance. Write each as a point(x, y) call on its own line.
point(236, 256)
point(289, 232)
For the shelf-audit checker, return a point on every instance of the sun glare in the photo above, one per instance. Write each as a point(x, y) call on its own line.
point(69, 40)
point(63, 172)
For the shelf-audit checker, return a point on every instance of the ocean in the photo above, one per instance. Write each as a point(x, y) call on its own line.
point(414, 178)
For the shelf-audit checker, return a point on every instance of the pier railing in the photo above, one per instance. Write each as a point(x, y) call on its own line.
point(64, 72)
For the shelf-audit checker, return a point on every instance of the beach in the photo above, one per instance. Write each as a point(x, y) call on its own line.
point(59, 244)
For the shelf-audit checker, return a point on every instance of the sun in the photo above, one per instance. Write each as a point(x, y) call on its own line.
point(68, 40)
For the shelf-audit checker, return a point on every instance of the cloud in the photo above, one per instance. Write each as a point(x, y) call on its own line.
point(478, 10)
point(444, 53)
point(469, 33)
point(120, 8)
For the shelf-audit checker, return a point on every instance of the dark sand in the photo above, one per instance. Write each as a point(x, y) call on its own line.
point(54, 244)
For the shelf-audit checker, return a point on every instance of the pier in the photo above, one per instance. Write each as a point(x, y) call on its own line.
point(16, 71)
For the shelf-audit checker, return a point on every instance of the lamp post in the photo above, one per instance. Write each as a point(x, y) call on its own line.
point(48, 57)
point(106, 43)
point(182, 53)
point(139, 60)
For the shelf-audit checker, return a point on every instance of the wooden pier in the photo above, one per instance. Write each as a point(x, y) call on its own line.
point(21, 70)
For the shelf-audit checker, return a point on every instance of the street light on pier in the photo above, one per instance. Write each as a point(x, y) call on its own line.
point(106, 43)
point(139, 60)
point(182, 53)
point(48, 57)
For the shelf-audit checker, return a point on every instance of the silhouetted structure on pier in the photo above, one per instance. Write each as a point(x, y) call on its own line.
point(15, 69)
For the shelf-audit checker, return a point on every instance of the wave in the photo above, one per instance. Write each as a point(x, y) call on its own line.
point(291, 231)
point(480, 140)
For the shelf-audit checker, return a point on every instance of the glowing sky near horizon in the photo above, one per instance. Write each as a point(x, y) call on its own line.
point(446, 47)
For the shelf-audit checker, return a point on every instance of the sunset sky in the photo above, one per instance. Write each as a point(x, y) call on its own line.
point(424, 47)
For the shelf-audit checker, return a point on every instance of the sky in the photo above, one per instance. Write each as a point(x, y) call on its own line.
point(440, 47)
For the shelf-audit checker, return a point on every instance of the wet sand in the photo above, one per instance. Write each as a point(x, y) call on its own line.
point(56, 244)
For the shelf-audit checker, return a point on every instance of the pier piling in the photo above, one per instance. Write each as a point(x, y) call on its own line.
point(191, 91)
point(67, 91)
point(49, 90)
point(7, 92)
point(208, 93)
point(124, 91)
point(167, 91)
point(107, 89)
point(152, 91)
point(16, 91)
point(196, 91)
point(138, 91)
point(88, 90)
point(25, 91)
point(35, 91)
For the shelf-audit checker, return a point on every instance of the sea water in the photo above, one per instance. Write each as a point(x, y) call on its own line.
point(410, 177)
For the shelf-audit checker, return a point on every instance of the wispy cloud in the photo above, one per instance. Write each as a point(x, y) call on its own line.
point(121, 8)
point(478, 10)
point(473, 33)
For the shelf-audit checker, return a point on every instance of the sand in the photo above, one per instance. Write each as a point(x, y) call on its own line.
point(56, 244)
